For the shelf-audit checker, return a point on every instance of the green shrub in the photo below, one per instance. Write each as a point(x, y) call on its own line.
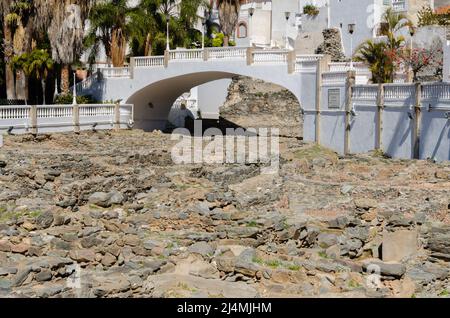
point(67, 99)
point(310, 10)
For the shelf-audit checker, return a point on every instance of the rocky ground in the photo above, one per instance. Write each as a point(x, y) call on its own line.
point(138, 226)
point(108, 214)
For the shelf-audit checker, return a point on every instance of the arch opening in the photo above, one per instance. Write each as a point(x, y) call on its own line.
point(154, 102)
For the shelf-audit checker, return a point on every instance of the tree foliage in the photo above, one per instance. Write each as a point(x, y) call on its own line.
point(428, 17)
point(380, 55)
point(380, 63)
point(35, 64)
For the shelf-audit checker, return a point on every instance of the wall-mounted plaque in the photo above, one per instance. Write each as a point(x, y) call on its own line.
point(334, 98)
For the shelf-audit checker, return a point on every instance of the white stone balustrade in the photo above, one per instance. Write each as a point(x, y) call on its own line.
point(14, 112)
point(112, 72)
point(149, 61)
point(436, 91)
point(334, 78)
point(270, 56)
point(359, 67)
point(403, 92)
point(54, 111)
point(227, 53)
point(365, 92)
point(182, 54)
point(59, 118)
point(96, 110)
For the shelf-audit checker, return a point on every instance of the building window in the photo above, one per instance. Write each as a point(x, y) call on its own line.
point(242, 30)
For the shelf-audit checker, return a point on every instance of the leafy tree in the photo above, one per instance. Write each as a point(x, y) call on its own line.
point(428, 17)
point(419, 59)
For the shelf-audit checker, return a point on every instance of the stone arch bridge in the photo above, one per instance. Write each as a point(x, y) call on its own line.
point(152, 84)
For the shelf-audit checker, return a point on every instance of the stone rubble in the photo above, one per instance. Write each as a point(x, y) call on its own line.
point(107, 214)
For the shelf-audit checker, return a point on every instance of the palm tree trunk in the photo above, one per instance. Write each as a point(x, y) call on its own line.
point(21, 86)
point(9, 74)
point(148, 45)
point(43, 91)
point(118, 45)
point(21, 46)
point(65, 79)
point(10, 83)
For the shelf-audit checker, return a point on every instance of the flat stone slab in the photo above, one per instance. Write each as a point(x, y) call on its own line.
point(399, 245)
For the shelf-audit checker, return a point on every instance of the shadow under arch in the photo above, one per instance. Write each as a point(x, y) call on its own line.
point(153, 102)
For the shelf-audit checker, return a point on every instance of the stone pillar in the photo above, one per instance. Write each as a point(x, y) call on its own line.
point(249, 56)
point(417, 119)
point(205, 54)
point(409, 76)
point(76, 118)
point(379, 117)
point(132, 66)
point(117, 116)
point(322, 66)
point(166, 58)
point(351, 76)
point(33, 120)
point(291, 57)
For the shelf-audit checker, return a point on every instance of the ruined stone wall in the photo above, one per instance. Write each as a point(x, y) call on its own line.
point(332, 45)
point(255, 103)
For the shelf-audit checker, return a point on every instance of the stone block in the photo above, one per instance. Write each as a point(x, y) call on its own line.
point(398, 245)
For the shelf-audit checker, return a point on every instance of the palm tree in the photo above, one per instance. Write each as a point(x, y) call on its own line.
point(36, 64)
point(64, 21)
point(392, 23)
point(109, 26)
point(18, 31)
point(228, 17)
point(380, 63)
point(148, 24)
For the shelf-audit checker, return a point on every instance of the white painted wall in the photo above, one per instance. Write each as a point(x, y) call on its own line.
point(397, 139)
point(446, 66)
point(211, 96)
point(279, 7)
point(365, 14)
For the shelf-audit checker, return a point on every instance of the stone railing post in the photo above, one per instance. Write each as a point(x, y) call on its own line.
point(250, 58)
point(132, 66)
point(76, 118)
point(166, 58)
point(417, 119)
point(291, 59)
point(379, 117)
point(351, 76)
point(117, 116)
point(205, 54)
point(33, 120)
point(322, 66)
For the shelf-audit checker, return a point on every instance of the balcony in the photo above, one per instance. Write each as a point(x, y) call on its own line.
point(399, 5)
